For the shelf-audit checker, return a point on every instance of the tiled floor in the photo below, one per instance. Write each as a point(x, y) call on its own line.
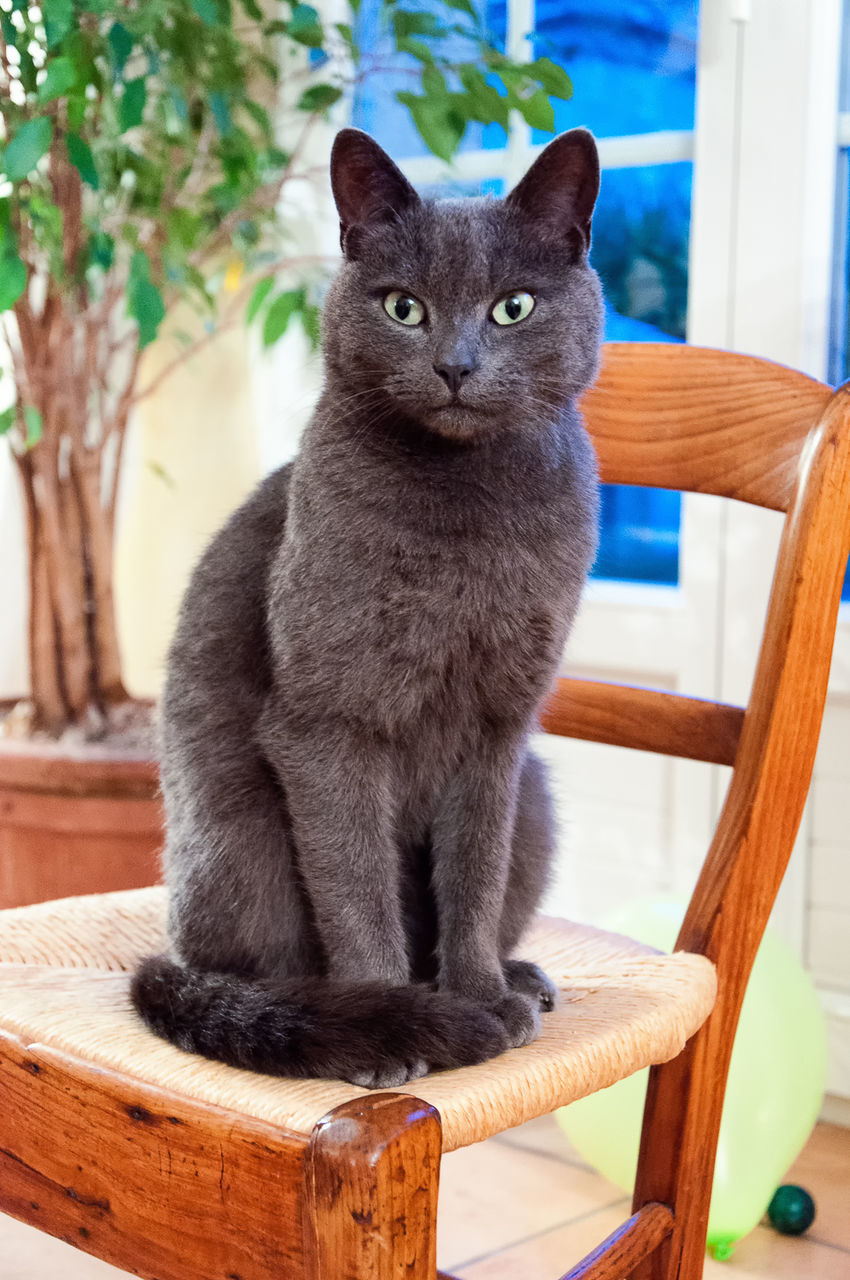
point(523, 1206)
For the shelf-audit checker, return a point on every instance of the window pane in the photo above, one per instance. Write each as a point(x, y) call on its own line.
point(639, 539)
point(640, 248)
point(839, 354)
point(633, 64)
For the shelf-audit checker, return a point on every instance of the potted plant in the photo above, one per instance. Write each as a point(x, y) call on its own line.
point(144, 161)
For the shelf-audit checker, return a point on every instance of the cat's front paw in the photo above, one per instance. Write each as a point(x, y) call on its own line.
point(520, 1016)
point(529, 980)
point(389, 1077)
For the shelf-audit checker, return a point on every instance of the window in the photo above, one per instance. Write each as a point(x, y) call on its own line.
point(839, 352)
point(633, 66)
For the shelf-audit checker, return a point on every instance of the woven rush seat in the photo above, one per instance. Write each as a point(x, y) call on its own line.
point(64, 976)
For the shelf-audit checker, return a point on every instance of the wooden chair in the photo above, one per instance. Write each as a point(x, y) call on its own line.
point(180, 1169)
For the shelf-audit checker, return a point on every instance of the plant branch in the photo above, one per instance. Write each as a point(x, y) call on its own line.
point(266, 199)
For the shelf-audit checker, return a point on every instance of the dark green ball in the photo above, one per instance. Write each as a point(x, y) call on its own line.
point(792, 1210)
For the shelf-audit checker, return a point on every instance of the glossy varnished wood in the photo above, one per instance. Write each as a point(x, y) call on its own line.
point(700, 420)
point(144, 1179)
point(755, 835)
point(644, 719)
point(635, 1240)
point(372, 1179)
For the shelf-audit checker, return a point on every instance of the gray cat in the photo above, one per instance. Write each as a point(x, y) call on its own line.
point(358, 834)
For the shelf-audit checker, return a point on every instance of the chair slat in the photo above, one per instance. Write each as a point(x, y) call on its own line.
point(645, 719)
point(638, 1237)
point(699, 420)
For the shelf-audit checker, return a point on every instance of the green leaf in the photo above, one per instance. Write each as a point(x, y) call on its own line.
point(416, 49)
point(184, 228)
point(554, 79)
point(35, 425)
point(13, 280)
point(140, 268)
point(305, 27)
point(145, 305)
point(438, 123)
point(61, 76)
point(80, 155)
point(27, 147)
point(76, 112)
point(434, 85)
point(410, 22)
point(132, 105)
point(101, 250)
point(463, 6)
point(261, 291)
point(7, 419)
point(260, 117)
point(280, 313)
point(120, 44)
point(161, 474)
point(310, 318)
point(252, 9)
point(483, 102)
point(319, 97)
point(206, 11)
point(27, 67)
point(58, 19)
point(538, 111)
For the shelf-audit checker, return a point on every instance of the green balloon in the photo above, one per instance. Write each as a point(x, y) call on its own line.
point(773, 1096)
point(792, 1210)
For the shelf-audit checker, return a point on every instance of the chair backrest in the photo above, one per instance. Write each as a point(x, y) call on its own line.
point(714, 422)
point(686, 418)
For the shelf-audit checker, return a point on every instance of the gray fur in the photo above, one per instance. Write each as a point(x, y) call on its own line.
point(362, 652)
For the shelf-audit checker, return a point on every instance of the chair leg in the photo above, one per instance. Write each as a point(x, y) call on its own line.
point(371, 1175)
point(681, 1124)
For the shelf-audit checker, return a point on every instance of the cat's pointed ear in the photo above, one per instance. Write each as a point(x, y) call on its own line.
point(367, 186)
point(560, 189)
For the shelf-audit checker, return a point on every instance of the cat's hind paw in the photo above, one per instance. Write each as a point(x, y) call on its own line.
point(529, 980)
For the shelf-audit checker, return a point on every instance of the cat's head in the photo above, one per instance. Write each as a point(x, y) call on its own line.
point(468, 316)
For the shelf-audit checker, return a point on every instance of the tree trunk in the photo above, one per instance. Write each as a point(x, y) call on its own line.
point(73, 646)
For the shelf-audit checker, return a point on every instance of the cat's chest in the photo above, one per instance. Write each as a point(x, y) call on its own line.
point(454, 598)
point(402, 605)
point(418, 631)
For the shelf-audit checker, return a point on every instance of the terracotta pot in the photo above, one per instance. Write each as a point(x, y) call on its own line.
point(75, 822)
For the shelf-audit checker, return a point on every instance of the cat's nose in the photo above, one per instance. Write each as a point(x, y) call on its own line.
point(454, 374)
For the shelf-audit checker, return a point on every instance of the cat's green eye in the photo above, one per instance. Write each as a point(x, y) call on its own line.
point(400, 306)
point(513, 308)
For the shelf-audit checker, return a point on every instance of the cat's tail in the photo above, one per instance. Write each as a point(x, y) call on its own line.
point(370, 1034)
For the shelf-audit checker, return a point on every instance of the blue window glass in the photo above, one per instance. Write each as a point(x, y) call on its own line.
point(632, 63)
point(639, 537)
